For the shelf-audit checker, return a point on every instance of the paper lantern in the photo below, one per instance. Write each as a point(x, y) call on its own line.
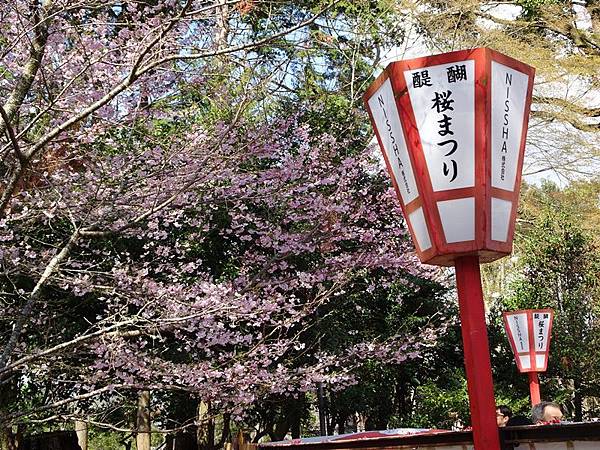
point(452, 129)
point(529, 333)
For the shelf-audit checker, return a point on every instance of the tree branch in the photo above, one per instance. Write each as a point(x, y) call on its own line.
point(12, 137)
point(108, 332)
point(553, 116)
point(38, 45)
point(136, 72)
point(580, 39)
point(33, 297)
point(237, 48)
point(569, 105)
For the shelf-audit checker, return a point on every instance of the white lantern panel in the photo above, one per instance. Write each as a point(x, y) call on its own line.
point(541, 329)
point(517, 324)
point(385, 115)
point(501, 210)
point(419, 226)
point(540, 361)
point(443, 102)
point(458, 219)
point(509, 93)
point(525, 361)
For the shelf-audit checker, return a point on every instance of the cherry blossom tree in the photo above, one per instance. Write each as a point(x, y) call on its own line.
point(212, 294)
point(149, 246)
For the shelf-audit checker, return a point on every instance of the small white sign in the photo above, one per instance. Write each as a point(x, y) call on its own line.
point(517, 324)
point(529, 332)
point(443, 102)
point(387, 121)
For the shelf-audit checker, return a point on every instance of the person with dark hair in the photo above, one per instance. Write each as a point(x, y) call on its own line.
point(517, 421)
point(546, 412)
point(503, 415)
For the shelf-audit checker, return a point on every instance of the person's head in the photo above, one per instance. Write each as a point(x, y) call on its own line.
point(518, 421)
point(503, 414)
point(546, 412)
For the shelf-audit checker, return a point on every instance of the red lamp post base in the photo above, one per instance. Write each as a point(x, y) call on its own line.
point(534, 388)
point(477, 354)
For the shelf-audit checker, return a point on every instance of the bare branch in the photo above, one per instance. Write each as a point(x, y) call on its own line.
point(582, 40)
point(33, 297)
point(237, 48)
point(568, 105)
point(552, 116)
point(12, 137)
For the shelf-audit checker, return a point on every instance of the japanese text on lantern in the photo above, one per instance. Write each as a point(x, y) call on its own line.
point(541, 323)
point(443, 103)
point(442, 98)
point(387, 122)
point(393, 141)
point(509, 92)
point(518, 329)
point(519, 334)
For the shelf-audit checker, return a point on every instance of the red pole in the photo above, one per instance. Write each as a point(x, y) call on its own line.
point(477, 354)
point(534, 388)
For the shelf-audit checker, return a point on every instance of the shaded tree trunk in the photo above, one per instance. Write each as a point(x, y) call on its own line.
point(8, 395)
point(143, 421)
point(7, 441)
point(281, 429)
point(296, 428)
point(205, 433)
point(81, 429)
point(225, 430)
point(341, 424)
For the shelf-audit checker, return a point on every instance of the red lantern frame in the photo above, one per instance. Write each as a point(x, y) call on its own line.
point(532, 371)
point(531, 352)
point(441, 252)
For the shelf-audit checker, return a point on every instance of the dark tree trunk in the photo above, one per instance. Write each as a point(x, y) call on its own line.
point(296, 428)
point(225, 430)
point(281, 429)
point(7, 441)
point(294, 414)
point(577, 401)
point(341, 424)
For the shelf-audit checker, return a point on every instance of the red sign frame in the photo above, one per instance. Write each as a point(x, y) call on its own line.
point(530, 331)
